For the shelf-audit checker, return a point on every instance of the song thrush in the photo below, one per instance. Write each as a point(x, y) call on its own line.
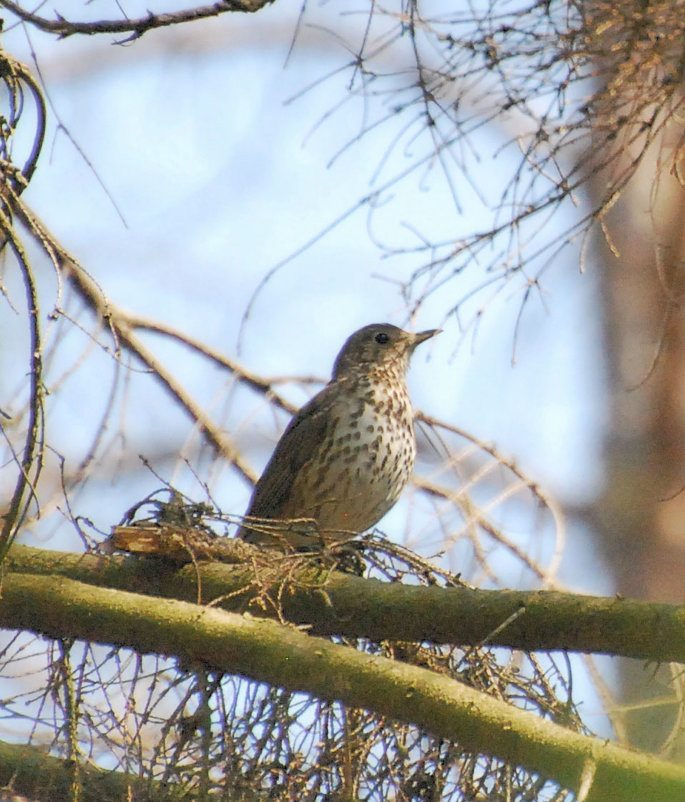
point(346, 455)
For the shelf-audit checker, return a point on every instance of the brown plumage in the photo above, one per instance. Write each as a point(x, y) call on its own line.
point(345, 457)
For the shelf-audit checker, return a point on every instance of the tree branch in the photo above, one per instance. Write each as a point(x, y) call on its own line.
point(31, 772)
point(136, 27)
point(125, 335)
point(332, 603)
point(280, 655)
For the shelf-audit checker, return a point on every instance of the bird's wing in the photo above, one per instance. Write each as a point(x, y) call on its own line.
point(301, 440)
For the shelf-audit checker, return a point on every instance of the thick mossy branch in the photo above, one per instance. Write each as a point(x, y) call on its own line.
point(331, 603)
point(285, 657)
point(30, 772)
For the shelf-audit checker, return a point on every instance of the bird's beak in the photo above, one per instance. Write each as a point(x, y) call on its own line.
point(422, 336)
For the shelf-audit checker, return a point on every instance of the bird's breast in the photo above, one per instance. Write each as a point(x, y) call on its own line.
point(363, 464)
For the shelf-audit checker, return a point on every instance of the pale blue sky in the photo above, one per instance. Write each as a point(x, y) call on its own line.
point(219, 179)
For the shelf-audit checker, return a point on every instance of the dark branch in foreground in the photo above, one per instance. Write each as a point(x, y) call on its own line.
point(285, 657)
point(332, 603)
point(31, 772)
point(136, 27)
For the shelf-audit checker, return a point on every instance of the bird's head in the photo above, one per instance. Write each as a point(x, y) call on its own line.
point(380, 347)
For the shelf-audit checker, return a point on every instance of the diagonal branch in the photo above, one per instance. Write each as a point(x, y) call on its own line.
point(29, 771)
point(332, 603)
point(283, 656)
point(124, 334)
point(135, 27)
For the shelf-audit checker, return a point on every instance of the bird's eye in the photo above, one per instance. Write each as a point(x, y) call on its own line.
point(382, 338)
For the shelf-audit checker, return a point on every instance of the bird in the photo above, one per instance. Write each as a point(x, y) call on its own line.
point(345, 457)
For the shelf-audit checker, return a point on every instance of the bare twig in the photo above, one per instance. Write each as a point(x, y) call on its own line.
point(135, 27)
